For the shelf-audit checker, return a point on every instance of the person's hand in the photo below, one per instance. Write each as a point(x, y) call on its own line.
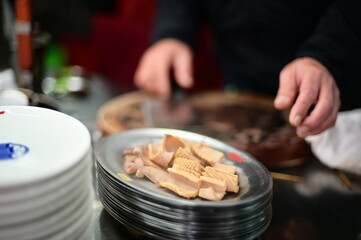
point(154, 69)
point(305, 84)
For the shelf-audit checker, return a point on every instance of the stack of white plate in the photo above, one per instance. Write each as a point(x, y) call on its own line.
point(160, 214)
point(45, 175)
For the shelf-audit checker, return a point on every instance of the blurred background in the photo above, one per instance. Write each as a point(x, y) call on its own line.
point(74, 42)
point(104, 37)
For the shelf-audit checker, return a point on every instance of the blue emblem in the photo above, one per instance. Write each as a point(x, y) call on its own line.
point(12, 151)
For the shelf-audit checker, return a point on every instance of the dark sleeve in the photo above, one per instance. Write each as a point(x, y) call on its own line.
point(336, 43)
point(63, 18)
point(177, 19)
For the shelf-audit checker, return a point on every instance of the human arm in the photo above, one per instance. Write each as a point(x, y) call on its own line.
point(172, 42)
point(305, 83)
point(326, 70)
point(153, 72)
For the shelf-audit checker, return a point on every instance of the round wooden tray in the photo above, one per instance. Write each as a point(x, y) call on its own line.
point(244, 120)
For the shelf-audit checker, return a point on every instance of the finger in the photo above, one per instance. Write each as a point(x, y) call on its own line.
point(161, 80)
point(304, 131)
point(324, 114)
point(152, 74)
point(183, 70)
point(288, 88)
point(143, 73)
point(139, 79)
point(309, 90)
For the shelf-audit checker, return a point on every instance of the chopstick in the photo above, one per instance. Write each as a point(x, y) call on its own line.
point(345, 179)
point(287, 177)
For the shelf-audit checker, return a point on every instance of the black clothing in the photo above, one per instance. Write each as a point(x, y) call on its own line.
point(256, 39)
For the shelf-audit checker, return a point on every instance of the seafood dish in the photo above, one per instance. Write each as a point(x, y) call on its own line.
point(187, 168)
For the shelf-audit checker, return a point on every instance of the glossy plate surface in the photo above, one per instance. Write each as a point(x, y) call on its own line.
point(36, 144)
point(255, 180)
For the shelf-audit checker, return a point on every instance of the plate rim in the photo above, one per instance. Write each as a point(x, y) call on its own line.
point(188, 202)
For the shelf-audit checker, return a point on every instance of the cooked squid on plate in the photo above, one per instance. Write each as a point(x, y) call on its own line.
point(190, 169)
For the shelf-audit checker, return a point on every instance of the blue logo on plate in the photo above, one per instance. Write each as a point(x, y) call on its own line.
point(12, 151)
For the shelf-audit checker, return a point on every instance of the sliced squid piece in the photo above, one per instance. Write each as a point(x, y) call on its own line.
point(230, 179)
point(132, 164)
point(139, 174)
point(128, 151)
point(163, 158)
point(153, 174)
point(188, 143)
point(154, 149)
point(224, 167)
point(212, 189)
point(207, 154)
point(187, 168)
point(190, 164)
point(172, 143)
point(142, 152)
point(186, 153)
point(157, 155)
point(183, 168)
point(183, 191)
point(183, 183)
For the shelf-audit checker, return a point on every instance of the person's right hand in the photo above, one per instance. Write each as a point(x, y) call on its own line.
point(153, 71)
point(304, 83)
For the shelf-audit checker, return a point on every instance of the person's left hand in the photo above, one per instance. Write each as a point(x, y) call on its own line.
point(306, 83)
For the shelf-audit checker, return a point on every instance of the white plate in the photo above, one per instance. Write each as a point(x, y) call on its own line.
point(27, 193)
point(55, 200)
point(81, 229)
point(55, 143)
point(60, 221)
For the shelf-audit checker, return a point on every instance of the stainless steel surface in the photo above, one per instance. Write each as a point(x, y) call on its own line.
point(254, 179)
point(320, 207)
point(158, 213)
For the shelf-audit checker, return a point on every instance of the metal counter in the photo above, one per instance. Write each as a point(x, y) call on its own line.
point(319, 207)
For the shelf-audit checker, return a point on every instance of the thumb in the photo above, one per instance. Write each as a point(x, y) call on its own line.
point(287, 90)
point(183, 68)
